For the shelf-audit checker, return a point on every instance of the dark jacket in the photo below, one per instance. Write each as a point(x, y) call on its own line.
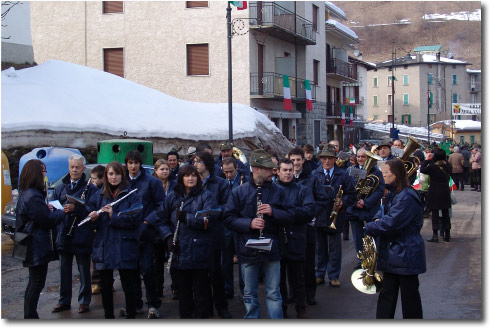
point(293, 237)
point(34, 218)
point(241, 209)
point(312, 182)
point(151, 195)
point(371, 203)
point(243, 168)
point(466, 156)
point(82, 238)
point(174, 173)
point(116, 240)
point(401, 249)
point(439, 195)
point(194, 240)
point(312, 164)
point(221, 190)
point(339, 177)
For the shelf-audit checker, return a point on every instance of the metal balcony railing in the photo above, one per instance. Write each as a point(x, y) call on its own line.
point(335, 109)
point(271, 14)
point(270, 84)
point(342, 68)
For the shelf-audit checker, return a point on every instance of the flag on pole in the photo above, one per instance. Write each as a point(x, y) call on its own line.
point(353, 149)
point(343, 115)
point(452, 186)
point(351, 117)
point(241, 5)
point(288, 105)
point(309, 100)
point(416, 183)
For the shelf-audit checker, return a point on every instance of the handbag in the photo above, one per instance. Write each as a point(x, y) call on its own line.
point(20, 245)
point(454, 201)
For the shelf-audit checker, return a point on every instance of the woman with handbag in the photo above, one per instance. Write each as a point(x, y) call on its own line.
point(35, 219)
point(439, 195)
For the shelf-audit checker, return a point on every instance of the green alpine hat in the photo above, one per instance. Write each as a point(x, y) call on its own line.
point(327, 151)
point(260, 158)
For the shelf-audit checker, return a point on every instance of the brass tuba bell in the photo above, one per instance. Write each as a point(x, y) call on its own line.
point(366, 280)
point(366, 186)
point(411, 162)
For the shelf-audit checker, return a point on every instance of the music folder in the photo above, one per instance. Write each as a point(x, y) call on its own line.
point(357, 173)
point(75, 200)
point(264, 244)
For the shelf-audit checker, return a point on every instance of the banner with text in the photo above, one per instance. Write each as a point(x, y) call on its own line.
point(466, 109)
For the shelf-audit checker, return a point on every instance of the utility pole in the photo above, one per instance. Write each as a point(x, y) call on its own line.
point(428, 109)
point(230, 103)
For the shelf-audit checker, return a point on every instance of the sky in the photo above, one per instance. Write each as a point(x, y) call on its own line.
point(62, 96)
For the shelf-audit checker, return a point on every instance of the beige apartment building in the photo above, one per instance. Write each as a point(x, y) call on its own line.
point(180, 48)
point(417, 78)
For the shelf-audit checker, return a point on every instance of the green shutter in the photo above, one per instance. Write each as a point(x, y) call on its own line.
point(409, 119)
point(403, 119)
point(431, 99)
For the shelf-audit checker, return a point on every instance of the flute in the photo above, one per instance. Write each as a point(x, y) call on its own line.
point(88, 218)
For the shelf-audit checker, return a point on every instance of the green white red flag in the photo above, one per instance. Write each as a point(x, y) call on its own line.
point(343, 115)
point(241, 5)
point(288, 105)
point(452, 186)
point(309, 99)
point(351, 116)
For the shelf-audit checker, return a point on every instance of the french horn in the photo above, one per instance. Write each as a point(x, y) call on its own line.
point(367, 280)
point(411, 162)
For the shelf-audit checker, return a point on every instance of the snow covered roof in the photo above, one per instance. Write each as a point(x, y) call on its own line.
point(432, 59)
point(426, 58)
point(343, 29)
point(335, 10)
point(474, 71)
point(61, 96)
point(405, 131)
point(461, 124)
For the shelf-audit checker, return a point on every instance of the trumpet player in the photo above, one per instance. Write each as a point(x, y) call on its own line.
point(364, 208)
point(73, 241)
point(329, 255)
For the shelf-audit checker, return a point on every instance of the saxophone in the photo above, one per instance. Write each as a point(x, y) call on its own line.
point(334, 213)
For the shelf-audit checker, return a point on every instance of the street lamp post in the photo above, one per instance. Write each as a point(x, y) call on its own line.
point(393, 61)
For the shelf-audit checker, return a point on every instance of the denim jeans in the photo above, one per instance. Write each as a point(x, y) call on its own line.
point(329, 255)
point(272, 278)
point(83, 264)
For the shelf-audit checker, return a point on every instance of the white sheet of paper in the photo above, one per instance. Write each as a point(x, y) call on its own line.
point(56, 204)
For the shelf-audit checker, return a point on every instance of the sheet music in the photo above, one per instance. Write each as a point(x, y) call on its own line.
point(56, 204)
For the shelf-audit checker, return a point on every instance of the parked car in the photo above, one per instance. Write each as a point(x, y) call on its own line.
point(8, 217)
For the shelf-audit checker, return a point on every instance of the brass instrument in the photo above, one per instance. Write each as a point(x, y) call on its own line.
point(339, 162)
point(238, 154)
point(411, 162)
point(334, 213)
point(366, 280)
point(69, 234)
point(366, 186)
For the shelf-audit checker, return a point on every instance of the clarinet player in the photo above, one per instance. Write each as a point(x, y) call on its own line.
point(116, 239)
point(73, 241)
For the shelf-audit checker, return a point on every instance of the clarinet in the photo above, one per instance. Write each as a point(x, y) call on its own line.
point(259, 202)
point(51, 236)
point(69, 234)
point(174, 240)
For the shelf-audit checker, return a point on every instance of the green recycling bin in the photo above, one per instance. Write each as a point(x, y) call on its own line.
point(116, 150)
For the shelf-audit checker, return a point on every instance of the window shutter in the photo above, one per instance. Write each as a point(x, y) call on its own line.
point(409, 119)
point(403, 119)
point(114, 61)
point(315, 18)
point(197, 59)
point(110, 7)
point(196, 4)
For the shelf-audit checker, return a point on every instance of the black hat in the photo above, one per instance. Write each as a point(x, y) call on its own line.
point(327, 151)
point(385, 142)
point(260, 158)
point(226, 146)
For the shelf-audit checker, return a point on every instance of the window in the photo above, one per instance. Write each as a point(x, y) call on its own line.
point(375, 101)
point(112, 7)
point(389, 100)
point(315, 18)
point(375, 117)
point(432, 118)
point(390, 118)
point(316, 69)
point(429, 65)
point(114, 61)
point(405, 99)
point(454, 66)
point(430, 78)
point(472, 139)
point(455, 79)
point(375, 82)
point(197, 59)
point(406, 119)
point(461, 139)
point(405, 66)
point(405, 79)
point(455, 97)
point(196, 4)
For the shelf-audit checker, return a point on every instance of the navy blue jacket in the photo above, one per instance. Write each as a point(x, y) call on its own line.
point(151, 195)
point(34, 218)
point(339, 177)
point(241, 209)
point(220, 188)
point(307, 179)
point(294, 236)
point(244, 169)
point(116, 242)
point(401, 249)
point(174, 173)
point(82, 238)
point(371, 203)
point(194, 240)
point(312, 164)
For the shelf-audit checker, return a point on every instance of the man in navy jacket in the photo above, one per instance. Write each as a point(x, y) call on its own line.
point(242, 215)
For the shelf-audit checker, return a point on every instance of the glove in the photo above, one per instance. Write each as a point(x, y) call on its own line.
point(181, 216)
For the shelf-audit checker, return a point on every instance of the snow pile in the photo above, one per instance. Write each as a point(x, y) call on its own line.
point(417, 132)
point(334, 8)
point(60, 96)
point(343, 28)
point(462, 16)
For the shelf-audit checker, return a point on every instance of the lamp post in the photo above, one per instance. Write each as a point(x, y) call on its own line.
point(393, 61)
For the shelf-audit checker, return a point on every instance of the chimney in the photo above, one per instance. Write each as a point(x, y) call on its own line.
point(420, 57)
point(438, 56)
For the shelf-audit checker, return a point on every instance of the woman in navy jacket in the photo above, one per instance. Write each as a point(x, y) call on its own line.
point(192, 256)
point(35, 218)
point(401, 250)
point(116, 239)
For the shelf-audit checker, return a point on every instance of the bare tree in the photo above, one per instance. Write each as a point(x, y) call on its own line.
point(6, 7)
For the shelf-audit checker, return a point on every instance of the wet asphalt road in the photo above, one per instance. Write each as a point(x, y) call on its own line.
point(450, 289)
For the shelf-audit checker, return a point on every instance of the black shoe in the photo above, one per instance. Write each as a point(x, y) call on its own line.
point(224, 314)
point(175, 295)
point(290, 300)
point(433, 239)
point(61, 307)
point(310, 301)
point(285, 311)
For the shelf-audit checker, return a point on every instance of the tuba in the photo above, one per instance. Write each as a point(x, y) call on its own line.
point(366, 186)
point(411, 162)
point(238, 154)
point(366, 280)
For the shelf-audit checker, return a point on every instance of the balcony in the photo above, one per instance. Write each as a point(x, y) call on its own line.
point(348, 101)
point(270, 85)
point(281, 23)
point(334, 109)
point(341, 70)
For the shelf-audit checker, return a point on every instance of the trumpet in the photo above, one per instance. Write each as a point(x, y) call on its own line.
point(334, 213)
point(411, 162)
point(366, 280)
point(366, 186)
point(339, 162)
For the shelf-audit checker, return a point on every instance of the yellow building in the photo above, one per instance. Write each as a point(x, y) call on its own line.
point(460, 131)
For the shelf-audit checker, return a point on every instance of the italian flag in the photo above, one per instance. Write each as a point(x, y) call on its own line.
point(241, 5)
point(353, 149)
point(416, 184)
point(351, 117)
point(309, 100)
point(452, 186)
point(288, 105)
point(343, 115)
